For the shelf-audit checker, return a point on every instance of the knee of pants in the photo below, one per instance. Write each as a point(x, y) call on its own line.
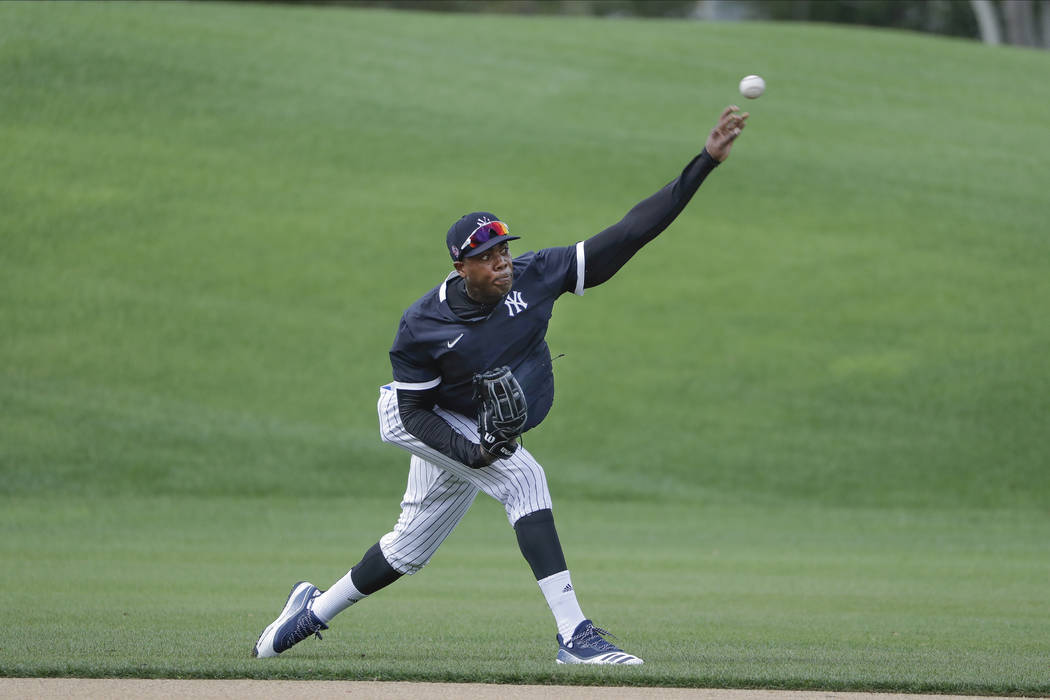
point(530, 493)
point(403, 560)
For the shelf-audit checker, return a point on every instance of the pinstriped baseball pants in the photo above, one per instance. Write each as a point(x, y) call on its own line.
point(441, 490)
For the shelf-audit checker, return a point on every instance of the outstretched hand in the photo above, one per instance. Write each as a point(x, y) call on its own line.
point(729, 126)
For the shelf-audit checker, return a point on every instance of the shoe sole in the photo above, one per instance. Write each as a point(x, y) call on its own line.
point(608, 659)
point(266, 651)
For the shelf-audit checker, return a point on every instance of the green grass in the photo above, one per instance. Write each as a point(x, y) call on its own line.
point(809, 419)
point(784, 597)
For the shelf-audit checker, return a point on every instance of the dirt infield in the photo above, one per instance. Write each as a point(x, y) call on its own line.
point(365, 690)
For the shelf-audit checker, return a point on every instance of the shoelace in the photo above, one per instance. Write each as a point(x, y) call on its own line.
point(305, 626)
point(594, 637)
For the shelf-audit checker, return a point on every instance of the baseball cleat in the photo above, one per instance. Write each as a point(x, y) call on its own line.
point(588, 646)
point(295, 623)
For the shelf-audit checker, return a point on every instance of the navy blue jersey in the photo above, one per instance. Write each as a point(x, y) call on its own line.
point(435, 348)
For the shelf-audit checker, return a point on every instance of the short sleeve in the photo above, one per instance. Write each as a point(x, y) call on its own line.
point(562, 269)
point(413, 368)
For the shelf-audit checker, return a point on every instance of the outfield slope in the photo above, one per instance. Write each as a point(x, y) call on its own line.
point(216, 214)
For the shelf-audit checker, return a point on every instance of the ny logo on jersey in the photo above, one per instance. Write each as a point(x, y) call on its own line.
point(515, 303)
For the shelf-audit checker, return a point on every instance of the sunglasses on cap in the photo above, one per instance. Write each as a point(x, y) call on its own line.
point(483, 234)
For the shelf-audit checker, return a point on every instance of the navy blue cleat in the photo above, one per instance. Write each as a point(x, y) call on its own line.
point(295, 623)
point(588, 646)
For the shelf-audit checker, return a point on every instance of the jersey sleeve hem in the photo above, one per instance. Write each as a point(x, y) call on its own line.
point(416, 386)
point(580, 267)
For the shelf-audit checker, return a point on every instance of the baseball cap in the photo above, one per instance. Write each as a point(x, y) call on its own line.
point(475, 233)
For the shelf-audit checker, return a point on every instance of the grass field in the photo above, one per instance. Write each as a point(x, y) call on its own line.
point(799, 441)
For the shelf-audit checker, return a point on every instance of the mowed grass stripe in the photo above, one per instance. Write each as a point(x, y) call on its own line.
point(743, 596)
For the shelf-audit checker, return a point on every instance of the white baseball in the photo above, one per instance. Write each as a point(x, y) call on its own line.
point(752, 86)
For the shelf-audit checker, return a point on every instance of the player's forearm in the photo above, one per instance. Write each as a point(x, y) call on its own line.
point(434, 431)
point(609, 250)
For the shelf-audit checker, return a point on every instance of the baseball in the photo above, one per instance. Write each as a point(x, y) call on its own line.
point(752, 86)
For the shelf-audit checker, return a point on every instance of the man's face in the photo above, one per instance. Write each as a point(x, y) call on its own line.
point(489, 275)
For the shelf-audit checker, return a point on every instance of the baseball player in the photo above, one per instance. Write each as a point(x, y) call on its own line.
point(471, 373)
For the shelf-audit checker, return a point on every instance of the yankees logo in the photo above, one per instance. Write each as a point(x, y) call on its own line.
point(515, 303)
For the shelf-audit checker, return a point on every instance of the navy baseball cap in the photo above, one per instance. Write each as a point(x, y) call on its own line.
point(475, 233)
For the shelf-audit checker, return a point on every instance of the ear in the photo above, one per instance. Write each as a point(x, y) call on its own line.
point(458, 264)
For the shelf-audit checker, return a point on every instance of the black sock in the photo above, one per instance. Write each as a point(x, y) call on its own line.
point(373, 572)
point(539, 544)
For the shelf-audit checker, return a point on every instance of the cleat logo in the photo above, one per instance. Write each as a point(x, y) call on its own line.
point(515, 303)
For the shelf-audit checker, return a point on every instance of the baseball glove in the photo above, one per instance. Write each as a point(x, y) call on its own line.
point(502, 413)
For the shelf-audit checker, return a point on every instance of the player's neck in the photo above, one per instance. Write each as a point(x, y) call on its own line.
point(472, 296)
point(464, 306)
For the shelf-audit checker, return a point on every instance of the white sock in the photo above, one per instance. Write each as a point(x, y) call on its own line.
point(561, 598)
point(336, 599)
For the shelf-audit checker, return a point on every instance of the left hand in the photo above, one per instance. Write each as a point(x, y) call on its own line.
point(729, 126)
point(498, 446)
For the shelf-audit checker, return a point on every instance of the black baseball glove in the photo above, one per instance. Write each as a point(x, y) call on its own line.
point(502, 413)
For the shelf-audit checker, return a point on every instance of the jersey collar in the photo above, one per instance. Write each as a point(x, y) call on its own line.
point(442, 294)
